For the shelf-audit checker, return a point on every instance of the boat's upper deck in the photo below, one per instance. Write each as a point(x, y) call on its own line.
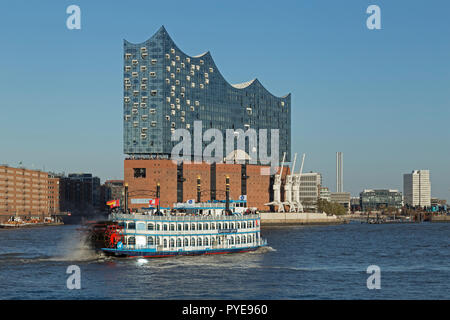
point(180, 217)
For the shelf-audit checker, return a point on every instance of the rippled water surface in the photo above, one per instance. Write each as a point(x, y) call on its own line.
point(302, 262)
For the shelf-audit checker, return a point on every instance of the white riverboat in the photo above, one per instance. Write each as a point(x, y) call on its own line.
point(186, 229)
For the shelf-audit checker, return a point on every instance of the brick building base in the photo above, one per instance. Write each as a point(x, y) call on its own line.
point(178, 182)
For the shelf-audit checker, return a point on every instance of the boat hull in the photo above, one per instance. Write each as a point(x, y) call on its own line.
point(162, 254)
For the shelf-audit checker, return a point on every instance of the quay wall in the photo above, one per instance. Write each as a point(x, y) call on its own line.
point(292, 218)
point(440, 218)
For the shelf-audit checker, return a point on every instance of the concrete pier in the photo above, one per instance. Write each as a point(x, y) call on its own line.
point(304, 218)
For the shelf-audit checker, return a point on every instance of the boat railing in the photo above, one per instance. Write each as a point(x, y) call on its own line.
point(215, 245)
point(190, 218)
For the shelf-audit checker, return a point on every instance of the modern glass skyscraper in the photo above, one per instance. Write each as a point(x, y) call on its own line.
point(166, 89)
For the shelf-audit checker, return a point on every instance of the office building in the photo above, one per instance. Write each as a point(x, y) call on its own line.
point(342, 198)
point(380, 199)
point(112, 190)
point(417, 188)
point(80, 193)
point(325, 194)
point(310, 189)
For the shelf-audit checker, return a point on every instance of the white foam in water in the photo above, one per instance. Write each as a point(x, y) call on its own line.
point(75, 247)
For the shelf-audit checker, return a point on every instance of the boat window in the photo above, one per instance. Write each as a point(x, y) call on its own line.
point(213, 226)
point(249, 238)
point(158, 242)
point(238, 225)
point(200, 227)
point(186, 226)
point(206, 242)
point(219, 226)
point(172, 227)
point(131, 240)
point(140, 226)
point(150, 226)
point(232, 225)
point(199, 242)
point(193, 242)
point(179, 243)
point(232, 240)
point(244, 225)
point(186, 242)
point(165, 243)
point(150, 241)
point(238, 240)
point(121, 224)
point(172, 243)
point(193, 226)
point(206, 227)
point(225, 225)
point(131, 225)
point(158, 227)
point(179, 227)
point(165, 227)
point(243, 240)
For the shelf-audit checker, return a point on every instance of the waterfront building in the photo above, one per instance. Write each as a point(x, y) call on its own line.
point(27, 193)
point(417, 188)
point(80, 193)
point(339, 172)
point(54, 193)
point(310, 189)
point(371, 199)
point(112, 190)
point(325, 194)
point(355, 204)
point(200, 182)
point(166, 89)
point(342, 198)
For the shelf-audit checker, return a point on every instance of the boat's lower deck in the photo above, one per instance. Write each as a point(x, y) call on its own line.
point(160, 254)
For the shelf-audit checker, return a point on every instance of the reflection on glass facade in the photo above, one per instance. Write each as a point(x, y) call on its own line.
point(165, 89)
point(380, 199)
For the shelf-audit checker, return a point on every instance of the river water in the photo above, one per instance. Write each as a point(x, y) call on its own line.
point(301, 262)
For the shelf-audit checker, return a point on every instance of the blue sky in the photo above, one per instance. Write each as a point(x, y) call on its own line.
point(380, 96)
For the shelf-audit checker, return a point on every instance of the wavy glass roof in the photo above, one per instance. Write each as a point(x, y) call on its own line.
point(162, 32)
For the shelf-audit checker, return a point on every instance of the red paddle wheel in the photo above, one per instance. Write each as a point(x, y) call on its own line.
point(113, 235)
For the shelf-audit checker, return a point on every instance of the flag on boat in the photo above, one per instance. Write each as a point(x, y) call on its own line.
point(190, 201)
point(113, 203)
point(154, 202)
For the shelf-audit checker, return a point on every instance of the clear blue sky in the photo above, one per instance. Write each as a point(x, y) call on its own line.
point(382, 97)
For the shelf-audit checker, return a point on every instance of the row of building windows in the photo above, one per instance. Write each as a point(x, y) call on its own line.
point(188, 226)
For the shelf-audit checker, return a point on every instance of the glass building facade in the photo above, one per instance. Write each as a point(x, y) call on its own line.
point(380, 199)
point(166, 89)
